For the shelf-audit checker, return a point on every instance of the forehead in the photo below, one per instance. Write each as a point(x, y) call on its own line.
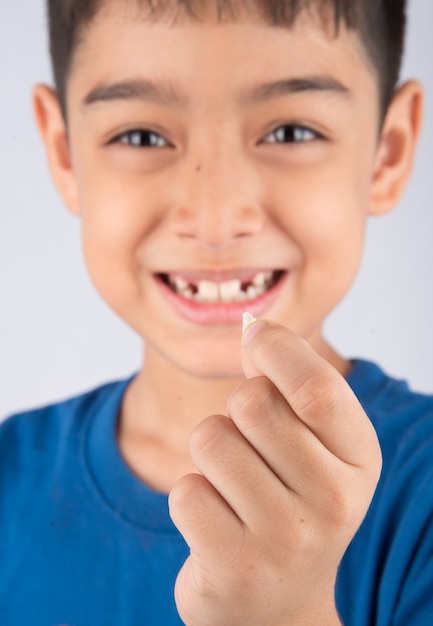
point(324, 15)
point(283, 12)
point(127, 38)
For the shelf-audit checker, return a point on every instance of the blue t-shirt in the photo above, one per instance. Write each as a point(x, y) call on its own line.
point(85, 543)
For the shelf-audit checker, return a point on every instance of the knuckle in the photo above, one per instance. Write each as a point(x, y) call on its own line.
point(271, 338)
point(182, 494)
point(210, 435)
point(315, 394)
point(249, 405)
point(342, 509)
point(184, 489)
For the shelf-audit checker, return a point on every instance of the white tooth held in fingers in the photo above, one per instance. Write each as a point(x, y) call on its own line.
point(229, 290)
point(247, 319)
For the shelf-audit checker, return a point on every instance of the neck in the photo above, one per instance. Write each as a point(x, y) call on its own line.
point(161, 408)
point(164, 400)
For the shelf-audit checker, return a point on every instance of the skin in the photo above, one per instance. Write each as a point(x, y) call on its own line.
point(291, 454)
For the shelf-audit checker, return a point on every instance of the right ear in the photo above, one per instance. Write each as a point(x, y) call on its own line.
point(53, 131)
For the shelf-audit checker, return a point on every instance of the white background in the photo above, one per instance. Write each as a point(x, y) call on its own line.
point(58, 338)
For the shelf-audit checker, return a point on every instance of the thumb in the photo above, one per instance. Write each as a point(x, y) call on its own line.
point(250, 324)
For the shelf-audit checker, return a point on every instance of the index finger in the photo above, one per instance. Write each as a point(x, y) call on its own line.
point(315, 391)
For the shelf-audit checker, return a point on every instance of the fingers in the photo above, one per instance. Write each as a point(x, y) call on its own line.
point(210, 527)
point(285, 482)
point(239, 506)
point(283, 441)
point(314, 390)
point(236, 470)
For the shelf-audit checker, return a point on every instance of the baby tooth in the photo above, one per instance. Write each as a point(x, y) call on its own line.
point(260, 280)
point(229, 290)
point(252, 292)
point(208, 291)
point(247, 319)
point(180, 283)
point(240, 297)
point(187, 293)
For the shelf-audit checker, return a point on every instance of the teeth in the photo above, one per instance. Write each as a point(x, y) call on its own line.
point(182, 287)
point(207, 291)
point(252, 292)
point(179, 283)
point(228, 291)
point(261, 279)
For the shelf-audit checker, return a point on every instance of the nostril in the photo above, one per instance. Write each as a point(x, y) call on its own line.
point(215, 222)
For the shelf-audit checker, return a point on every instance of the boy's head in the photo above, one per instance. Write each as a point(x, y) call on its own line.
point(379, 24)
point(222, 164)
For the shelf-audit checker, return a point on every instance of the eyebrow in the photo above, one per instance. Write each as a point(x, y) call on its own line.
point(168, 94)
point(160, 93)
point(269, 91)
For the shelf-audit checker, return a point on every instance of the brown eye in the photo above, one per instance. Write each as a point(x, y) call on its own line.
point(142, 139)
point(290, 133)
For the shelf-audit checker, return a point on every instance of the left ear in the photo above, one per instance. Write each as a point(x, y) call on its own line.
point(396, 148)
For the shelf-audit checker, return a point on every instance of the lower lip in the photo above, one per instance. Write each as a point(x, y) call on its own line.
point(220, 314)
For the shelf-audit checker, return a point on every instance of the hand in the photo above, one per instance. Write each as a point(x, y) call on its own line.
point(285, 482)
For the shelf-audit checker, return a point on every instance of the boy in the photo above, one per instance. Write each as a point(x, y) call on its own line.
point(221, 162)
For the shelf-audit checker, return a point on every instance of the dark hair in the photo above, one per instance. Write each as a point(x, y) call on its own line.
point(380, 25)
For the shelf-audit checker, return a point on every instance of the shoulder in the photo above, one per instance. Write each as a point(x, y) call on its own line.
point(45, 432)
point(393, 407)
point(403, 420)
point(384, 574)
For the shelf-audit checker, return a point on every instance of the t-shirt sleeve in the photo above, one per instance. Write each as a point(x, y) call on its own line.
point(414, 605)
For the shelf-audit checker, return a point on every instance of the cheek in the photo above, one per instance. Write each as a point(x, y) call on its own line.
point(114, 224)
point(116, 205)
point(325, 216)
point(331, 196)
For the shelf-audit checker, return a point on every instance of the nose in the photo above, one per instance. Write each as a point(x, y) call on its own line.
point(217, 200)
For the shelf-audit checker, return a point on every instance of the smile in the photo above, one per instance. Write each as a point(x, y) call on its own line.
point(235, 290)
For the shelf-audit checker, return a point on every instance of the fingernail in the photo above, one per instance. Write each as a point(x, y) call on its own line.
point(251, 327)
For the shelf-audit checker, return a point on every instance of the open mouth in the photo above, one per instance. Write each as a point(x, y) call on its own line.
point(229, 291)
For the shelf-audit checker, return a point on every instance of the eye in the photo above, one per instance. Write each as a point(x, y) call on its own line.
point(141, 139)
point(291, 133)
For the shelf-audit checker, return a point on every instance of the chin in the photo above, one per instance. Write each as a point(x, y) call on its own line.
point(212, 363)
point(212, 370)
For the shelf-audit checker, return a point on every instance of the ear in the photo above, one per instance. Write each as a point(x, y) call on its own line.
point(396, 149)
point(53, 131)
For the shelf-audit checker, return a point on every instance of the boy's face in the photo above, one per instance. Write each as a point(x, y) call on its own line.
point(264, 144)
